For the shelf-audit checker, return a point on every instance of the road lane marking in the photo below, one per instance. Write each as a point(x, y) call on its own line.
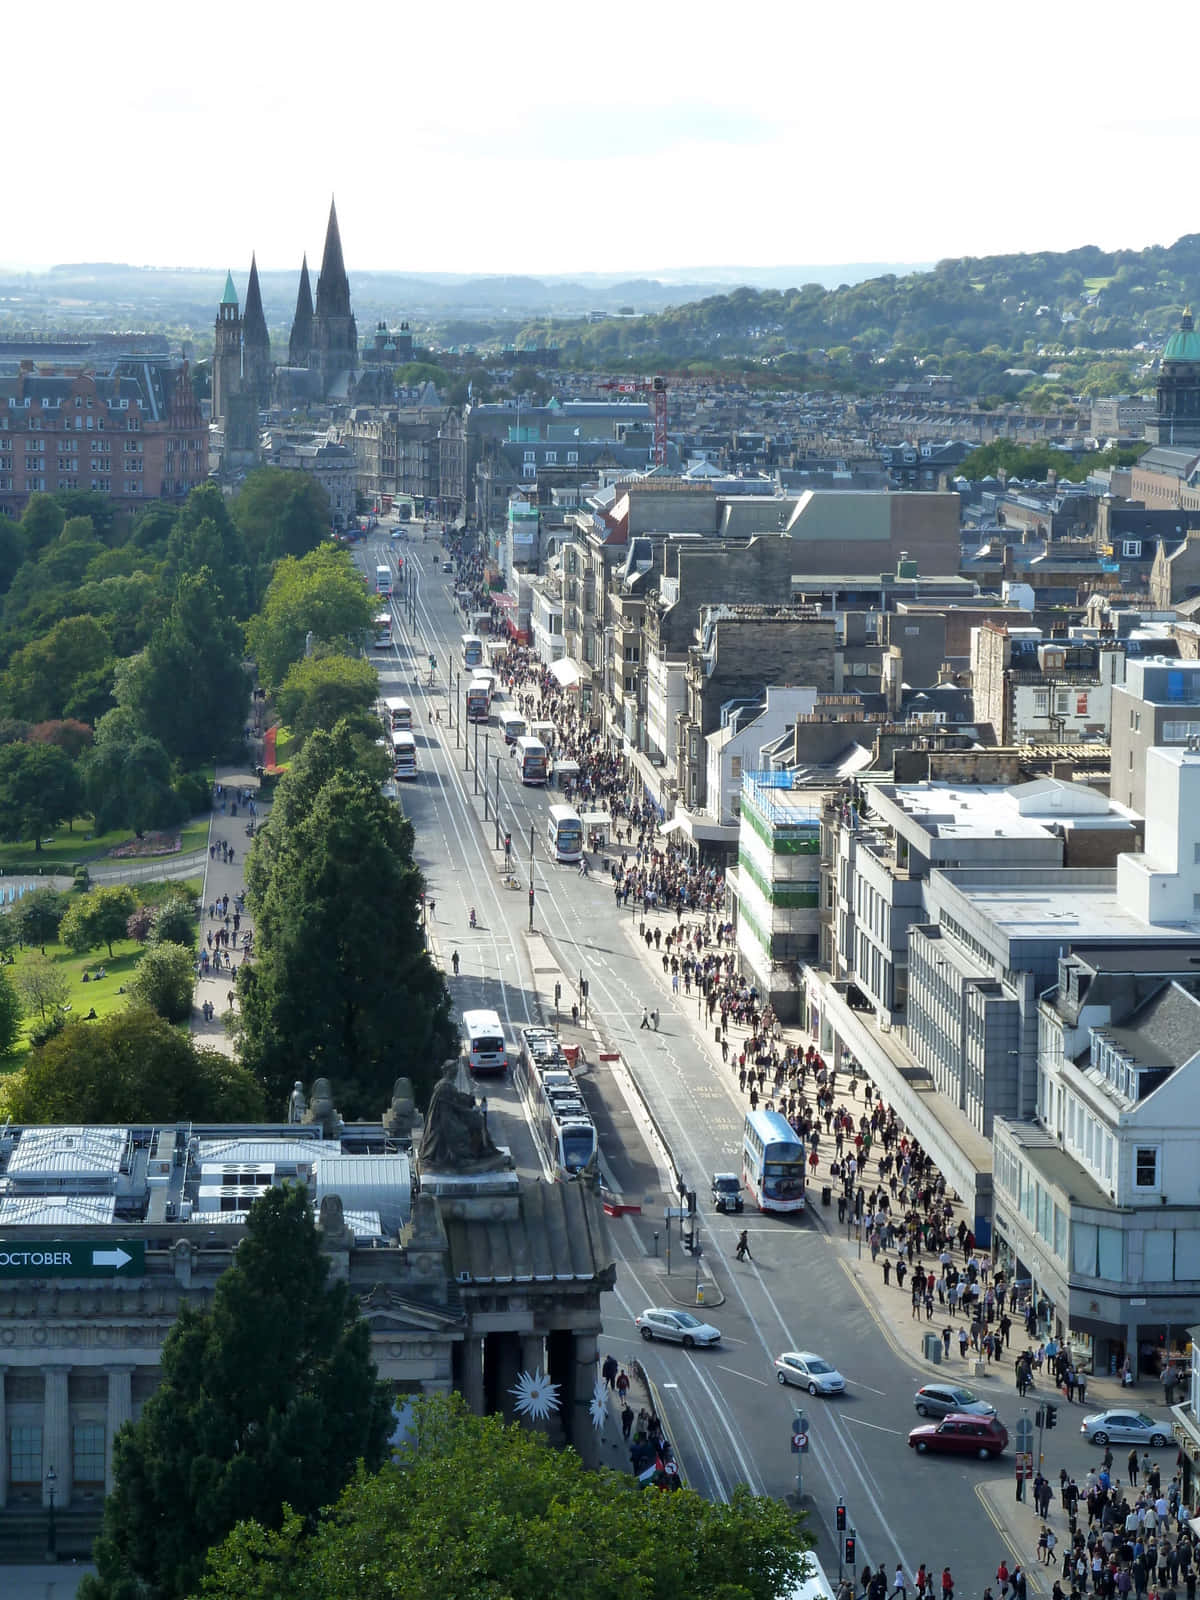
point(869, 1389)
point(745, 1375)
point(1008, 1538)
point(876, 1426)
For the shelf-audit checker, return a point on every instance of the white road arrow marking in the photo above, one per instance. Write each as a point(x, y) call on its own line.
point(110, 1258)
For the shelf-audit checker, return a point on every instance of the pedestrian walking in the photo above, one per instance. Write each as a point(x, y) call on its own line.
point(609, 1371)
point(900, 1583)
point(626, 1421)
point(743, 1247)
point(947, 1584)
point(645, 1018)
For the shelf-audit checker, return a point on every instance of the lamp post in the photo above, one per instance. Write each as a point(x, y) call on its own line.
point(51, 1530)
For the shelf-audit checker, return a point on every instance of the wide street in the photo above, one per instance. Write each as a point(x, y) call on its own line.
point(803, 1288)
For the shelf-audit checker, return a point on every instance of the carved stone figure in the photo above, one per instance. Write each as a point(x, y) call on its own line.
point(336, 1234)
point(401, 1112)
point(455, 1137)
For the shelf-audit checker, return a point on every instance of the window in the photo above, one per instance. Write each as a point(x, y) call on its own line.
point(572, 458)
point(87, 1455)
point(1180, 732)
point(1158, 1255)
point(25, 1454)
point(1041, 702)
point(1145, 1166)
point(1132, 548)
point(530, 455)
point(551, 458)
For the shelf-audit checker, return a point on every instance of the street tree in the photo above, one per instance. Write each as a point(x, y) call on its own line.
point(321, 594)
point(165, 980)
point(507, 1514)
point(281, 514)
point(39, 789)
point(268, 1400)
point(132, 1066)
point(187, 689)
point(320, 690)
point(97, 918)
point(42, 984)
point(342, 986)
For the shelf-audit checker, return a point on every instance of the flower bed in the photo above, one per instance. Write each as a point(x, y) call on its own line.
point(149, 844)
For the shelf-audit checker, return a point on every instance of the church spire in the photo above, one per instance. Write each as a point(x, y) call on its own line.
point(254, 323)
point(333, 287)
point(300, 344)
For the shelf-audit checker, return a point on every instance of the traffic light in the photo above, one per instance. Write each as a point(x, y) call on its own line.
point(848, 1545)
point(841, 1516)
point(1051, 1417)
point(691, 1202)
point(1039, 1417)
point(557, 994)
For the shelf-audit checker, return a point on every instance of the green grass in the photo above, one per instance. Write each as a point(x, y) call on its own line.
point(283, 743)
point(1093, 285)
point(62, 849)
point(103, 995)
point(194, 836)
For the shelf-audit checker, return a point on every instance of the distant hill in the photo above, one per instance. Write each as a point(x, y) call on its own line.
point(1040, 306)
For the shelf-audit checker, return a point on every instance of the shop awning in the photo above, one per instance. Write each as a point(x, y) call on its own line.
point(566, 673)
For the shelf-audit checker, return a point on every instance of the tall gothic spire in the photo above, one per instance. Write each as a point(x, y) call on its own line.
point(333, 287)
point(254, 323)
point(300, 343)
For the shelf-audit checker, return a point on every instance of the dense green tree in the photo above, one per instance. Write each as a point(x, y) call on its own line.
point(132, 1066)
point(507, 1514)
point(13, 551)
point(39, 916)
point(49, 677)
point(188, 689)
point(342, 986)
point(127, 777)
point(11, 1011)
point(39, 789)
point(205, 535)
point(97, 918)
point(321, 594)
point(42, 984)
point(281, 513)
point(41, 522)
point(267, 1400)
point(67, 559)
point(165, 981)
point(175, 922)
point(320, 690)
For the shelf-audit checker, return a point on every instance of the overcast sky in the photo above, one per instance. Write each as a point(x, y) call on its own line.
point(546, 136)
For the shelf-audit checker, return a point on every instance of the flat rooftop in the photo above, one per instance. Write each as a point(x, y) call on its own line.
point(983, 811)
point(1070, 911)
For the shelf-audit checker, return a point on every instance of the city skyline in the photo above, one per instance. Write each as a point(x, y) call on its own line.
point(538, 146)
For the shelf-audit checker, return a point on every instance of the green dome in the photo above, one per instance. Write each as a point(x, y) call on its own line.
point(1184, 344)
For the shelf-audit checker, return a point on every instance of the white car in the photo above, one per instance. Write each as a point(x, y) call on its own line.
point(808, 1371)
point(681, 1326)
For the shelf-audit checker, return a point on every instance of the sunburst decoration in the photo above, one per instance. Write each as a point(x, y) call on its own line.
point(598, 1409)
point(536, 1396)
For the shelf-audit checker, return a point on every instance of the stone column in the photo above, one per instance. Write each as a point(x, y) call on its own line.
point(120, 1411)
point(580, 1432)
point(3, 1442)
point(472, 1370)
point(533, 1359)
point(56, 1436)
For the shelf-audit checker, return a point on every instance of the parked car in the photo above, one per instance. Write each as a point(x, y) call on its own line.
point(805, 1370)
point(940, 1399)
point(961, 1434)
point(447, 566)
point(681, 1326)
point(726, 1192)
point(1121, 1426)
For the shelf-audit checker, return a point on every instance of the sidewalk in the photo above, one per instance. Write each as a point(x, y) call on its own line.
point(890, 1306)
point(223, 878)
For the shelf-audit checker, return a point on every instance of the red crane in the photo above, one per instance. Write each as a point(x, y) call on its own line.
point(657, 389)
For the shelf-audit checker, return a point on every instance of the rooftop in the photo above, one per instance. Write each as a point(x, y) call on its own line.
point(1065, 904)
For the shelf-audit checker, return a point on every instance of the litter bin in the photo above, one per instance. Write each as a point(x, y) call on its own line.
point(827, 1196)
point(933, 1348)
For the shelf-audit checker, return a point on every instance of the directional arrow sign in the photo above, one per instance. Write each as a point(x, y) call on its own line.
point(73, 1258)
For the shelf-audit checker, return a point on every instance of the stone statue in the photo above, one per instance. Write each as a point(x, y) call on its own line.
point(336, 1233)
point(455, 1137)
point(401, 1113)
point(321, 1109)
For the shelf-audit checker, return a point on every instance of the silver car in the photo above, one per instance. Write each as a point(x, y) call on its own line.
point(1123, 1426)
point(940, 1399)
point(805, 1370)
point(680, 1326)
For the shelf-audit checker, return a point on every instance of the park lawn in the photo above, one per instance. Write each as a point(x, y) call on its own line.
point(64, 848)
point(102, 994)
point(1093, 284)
point(284, 739)
point(193, 836)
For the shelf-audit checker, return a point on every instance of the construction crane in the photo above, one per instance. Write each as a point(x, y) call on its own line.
point(657, 389)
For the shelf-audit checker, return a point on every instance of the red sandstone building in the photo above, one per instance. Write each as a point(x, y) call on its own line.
point(134, 432)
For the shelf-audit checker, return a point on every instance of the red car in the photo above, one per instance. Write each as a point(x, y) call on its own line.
point(961, 1435)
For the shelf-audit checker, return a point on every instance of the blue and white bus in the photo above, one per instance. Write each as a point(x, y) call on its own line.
point(773, 1158)
point(565, 833)
point(484, 1042)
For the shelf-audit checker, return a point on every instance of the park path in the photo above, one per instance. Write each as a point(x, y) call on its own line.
point(224, 877)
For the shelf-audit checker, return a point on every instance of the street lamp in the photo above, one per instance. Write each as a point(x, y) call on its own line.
point(51, 1531)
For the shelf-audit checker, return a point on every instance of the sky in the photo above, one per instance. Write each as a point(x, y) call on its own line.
point(546, 137)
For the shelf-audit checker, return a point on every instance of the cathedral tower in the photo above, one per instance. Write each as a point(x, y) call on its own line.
point(334, 334)
point(227, 350)
point(300, 343)
point(256, 342)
